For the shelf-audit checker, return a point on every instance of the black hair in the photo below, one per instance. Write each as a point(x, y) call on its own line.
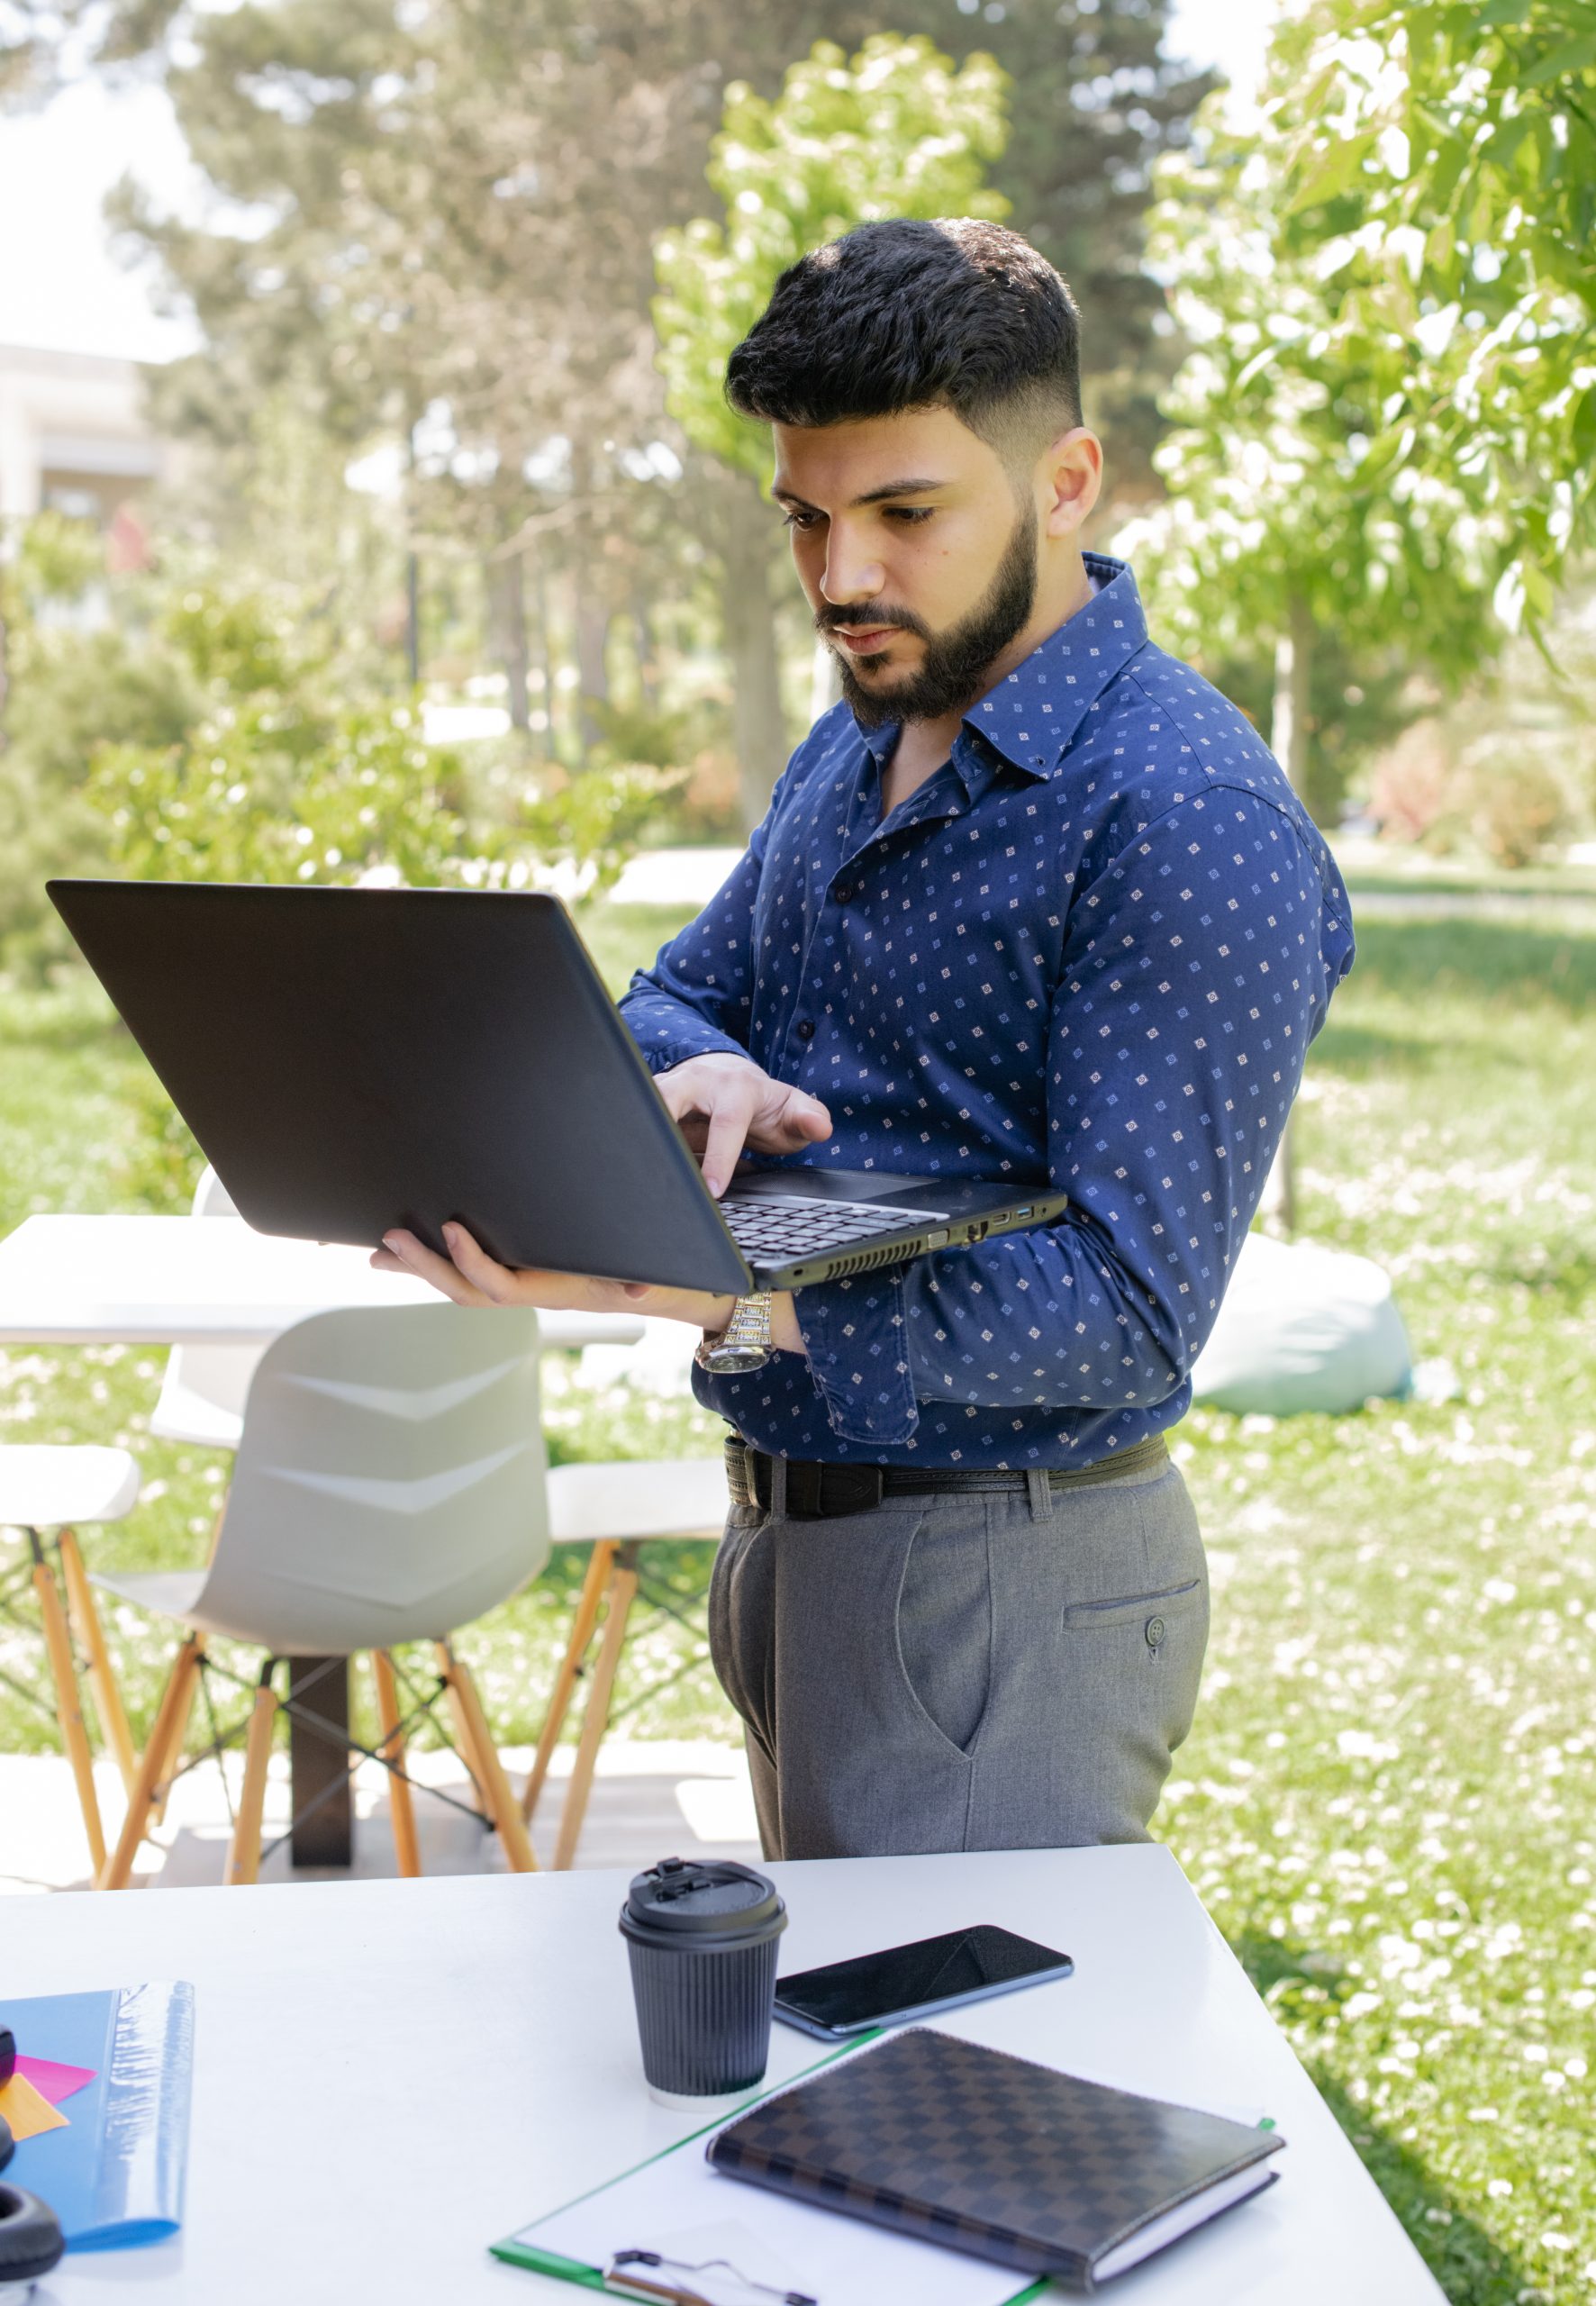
point(907, 313)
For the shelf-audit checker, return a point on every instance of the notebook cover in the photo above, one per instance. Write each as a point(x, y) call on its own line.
point(115, 2174)
point(985, 2153)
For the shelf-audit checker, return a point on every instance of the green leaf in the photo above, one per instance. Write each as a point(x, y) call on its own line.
point(1333, 172)
point(1562, 63)
point(1581, 432)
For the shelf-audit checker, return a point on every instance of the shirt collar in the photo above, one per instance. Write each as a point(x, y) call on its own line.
point(1032, 715)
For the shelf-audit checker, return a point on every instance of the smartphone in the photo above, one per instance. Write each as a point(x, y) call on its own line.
point(915, 1980)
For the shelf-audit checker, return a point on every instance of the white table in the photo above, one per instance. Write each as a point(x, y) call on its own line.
point(390, 2075)
point(205, 1281)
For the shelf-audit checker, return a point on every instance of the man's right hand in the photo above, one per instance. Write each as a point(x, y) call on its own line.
point(724, 1102)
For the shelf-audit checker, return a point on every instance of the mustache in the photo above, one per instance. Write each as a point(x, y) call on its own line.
point(833, 620)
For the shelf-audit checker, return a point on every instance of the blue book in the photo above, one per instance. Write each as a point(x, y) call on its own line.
point(115, 2174)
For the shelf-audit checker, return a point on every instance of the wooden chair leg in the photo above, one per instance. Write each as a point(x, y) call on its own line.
point(482, 1757)
point(406, 1849)
point(176, 1700)
point(63, 1673)
point(86, 1619)
point(177, 1738)
point(243, 1855)
point(596, 1721)
point(600, 1563)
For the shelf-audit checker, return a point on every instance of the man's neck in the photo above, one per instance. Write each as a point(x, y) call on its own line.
point(923, 745)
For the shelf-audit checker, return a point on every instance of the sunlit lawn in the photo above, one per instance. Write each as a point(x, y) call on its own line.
point(1387, 1802)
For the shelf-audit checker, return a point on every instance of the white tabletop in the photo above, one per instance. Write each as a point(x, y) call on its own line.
point(390, 2075)
point(205, 1281)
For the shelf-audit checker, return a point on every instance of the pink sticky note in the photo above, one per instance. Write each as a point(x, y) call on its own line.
point(54, 2082)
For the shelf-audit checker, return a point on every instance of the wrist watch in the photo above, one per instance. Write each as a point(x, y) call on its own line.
point(743, 1344)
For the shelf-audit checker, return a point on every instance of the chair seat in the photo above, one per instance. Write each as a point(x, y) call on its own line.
point(169, 1592)
point(47, 1486)
point(675, 1498)
point(181, 1414)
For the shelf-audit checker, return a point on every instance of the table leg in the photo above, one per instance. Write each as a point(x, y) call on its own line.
point(316, 1761)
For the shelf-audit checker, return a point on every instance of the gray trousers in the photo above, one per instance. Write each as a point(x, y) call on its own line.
point(964, 1671)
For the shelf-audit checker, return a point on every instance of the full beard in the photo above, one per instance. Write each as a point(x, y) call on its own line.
point(954, 669)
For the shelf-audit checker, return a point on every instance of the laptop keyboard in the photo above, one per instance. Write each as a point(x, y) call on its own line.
point(776, 1230)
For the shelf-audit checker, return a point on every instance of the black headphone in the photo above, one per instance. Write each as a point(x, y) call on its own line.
point(31, 2238)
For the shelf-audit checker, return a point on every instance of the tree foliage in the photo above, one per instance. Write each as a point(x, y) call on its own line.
point(1283, 488)
point(1387, 289)
point(1439, 161)
point(894, 131)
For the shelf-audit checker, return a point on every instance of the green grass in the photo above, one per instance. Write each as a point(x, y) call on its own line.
point(1387, 1800)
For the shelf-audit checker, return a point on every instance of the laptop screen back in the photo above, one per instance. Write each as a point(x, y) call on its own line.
point(353, 1059)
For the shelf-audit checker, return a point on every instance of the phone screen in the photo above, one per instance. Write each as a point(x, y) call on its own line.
point(959, 1967)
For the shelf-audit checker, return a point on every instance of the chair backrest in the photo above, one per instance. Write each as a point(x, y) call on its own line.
point(219, 1374)
point(390, 1483)
point(211, 1196)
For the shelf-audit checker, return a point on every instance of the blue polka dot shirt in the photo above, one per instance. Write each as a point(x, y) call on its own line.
point(1092, 948)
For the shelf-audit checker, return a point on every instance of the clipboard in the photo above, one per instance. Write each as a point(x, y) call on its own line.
point(706, 2229)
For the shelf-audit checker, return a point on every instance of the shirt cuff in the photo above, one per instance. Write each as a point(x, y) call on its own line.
point(856, 1338)
point(667, 1032)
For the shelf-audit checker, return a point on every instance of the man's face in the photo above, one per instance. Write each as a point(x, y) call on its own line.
point(918, 563)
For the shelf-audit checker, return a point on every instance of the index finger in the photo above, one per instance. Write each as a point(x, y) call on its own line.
point(728, 1133)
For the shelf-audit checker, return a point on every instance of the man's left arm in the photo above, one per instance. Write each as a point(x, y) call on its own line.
point(1198, 968)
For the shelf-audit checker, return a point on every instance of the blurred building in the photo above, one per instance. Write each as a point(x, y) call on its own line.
point(74, 438)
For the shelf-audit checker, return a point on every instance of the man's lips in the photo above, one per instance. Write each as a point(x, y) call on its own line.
point(863, 639)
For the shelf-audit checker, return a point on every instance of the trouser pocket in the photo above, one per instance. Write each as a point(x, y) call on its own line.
point(943, 1622)
point(1148, 1641)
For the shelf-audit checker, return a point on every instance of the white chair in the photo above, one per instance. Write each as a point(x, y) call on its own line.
point(49, 1488)
point(204, 1387)
point(616, 1509)
point(389, 1487)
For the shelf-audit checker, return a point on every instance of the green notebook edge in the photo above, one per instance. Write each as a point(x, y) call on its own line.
point(513, 2252)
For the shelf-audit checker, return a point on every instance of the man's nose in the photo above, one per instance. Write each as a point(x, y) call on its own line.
point(852, 571)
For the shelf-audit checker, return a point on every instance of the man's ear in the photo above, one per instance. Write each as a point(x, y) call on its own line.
point(1069, 476)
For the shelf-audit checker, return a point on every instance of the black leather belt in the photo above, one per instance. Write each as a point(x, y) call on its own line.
point(819, 1492)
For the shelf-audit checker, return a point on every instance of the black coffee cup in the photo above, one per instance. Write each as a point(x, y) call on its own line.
point(701, 1935)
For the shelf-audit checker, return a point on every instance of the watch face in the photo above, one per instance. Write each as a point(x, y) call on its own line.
point(732, 1360)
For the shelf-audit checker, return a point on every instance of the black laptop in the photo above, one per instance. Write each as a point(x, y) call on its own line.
point(354, 1060)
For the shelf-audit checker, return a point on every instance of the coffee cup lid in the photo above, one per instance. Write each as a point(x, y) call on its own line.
point(698, 1897)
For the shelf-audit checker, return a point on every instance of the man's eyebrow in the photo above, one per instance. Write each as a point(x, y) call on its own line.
point(914, 486)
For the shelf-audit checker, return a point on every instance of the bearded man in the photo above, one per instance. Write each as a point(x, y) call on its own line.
point(1033, 902)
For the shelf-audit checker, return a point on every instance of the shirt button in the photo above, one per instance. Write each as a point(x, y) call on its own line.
point(844, 892)
point(806, 1030)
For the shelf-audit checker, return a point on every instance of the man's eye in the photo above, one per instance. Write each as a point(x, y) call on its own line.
point(912, 515)
point(799, 519)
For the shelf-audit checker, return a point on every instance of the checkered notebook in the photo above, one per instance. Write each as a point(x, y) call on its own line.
point(988, 2154)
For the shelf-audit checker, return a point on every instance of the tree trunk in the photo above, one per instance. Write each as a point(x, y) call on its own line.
point(642, 633)
point(545, 654)
point(508, 580)
point(1293, 676)
point(413, 619)
point(749, 623)
point(589, 615)
point(593, 638)
point(1288, 737)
